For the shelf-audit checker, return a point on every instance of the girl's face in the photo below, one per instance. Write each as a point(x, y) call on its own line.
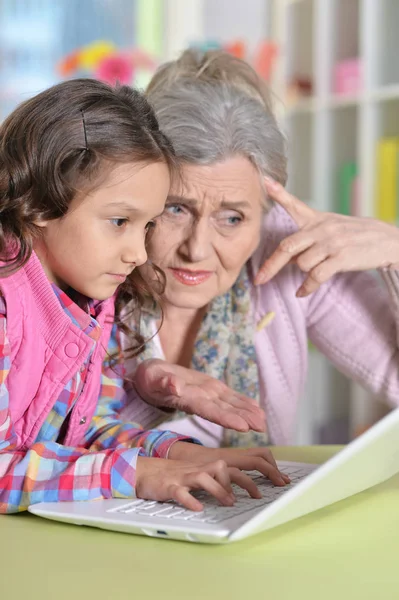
point(101, 239)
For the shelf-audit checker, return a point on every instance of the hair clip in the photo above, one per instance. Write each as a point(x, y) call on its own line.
point(84, 130)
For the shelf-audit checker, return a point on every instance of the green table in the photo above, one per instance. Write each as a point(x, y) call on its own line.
point(346, 551)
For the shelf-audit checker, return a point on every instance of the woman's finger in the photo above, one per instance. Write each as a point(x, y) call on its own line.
point(288, 248)
point(228, 417)
point(319, 275)
point(312, 257)
point(246, 400)
point(298, 210)
point(239, 400)
point(256, 422)
point(171, 384)
point(252, 414)
point(231, 413)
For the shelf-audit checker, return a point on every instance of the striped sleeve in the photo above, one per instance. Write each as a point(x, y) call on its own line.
point(108, 429)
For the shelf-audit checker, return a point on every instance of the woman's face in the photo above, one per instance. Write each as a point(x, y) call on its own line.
point(209, 229)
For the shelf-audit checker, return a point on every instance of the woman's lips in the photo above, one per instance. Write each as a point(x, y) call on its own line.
point(190, 277)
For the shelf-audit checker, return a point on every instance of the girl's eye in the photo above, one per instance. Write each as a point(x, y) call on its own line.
point(174, 209)
point(119, 222)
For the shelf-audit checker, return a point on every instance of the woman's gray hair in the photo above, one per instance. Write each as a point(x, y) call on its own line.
point(209, 119)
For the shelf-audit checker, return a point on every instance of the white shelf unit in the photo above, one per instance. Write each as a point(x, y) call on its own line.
point(324, 131)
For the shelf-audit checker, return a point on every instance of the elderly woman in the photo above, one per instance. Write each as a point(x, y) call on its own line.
point(249, 281)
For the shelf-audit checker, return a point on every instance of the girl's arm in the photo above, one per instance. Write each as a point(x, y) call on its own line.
point(104, 466)
point(108, 430)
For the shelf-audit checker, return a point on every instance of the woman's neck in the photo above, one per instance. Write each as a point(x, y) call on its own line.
point(178, 333)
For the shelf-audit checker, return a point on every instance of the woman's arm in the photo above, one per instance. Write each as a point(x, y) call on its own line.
point(351, 318)
point(355, 323)
point(177, 388)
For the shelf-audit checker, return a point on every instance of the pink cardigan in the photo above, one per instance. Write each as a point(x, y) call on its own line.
point(47, 349)
point(353, 320)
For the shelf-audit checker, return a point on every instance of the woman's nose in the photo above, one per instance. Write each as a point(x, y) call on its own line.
point(198, 245)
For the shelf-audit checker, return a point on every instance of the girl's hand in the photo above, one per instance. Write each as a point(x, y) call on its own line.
point(329, 243)
point(251, 459)
point(172, 386)
point(162, 480)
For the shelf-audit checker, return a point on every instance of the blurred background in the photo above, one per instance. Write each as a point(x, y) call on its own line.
point(334, 68)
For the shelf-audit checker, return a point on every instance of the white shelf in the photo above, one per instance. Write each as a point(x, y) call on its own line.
point(323, 130)
point(386, 92)
point(343, 100)
point(307, 105)
point(304, 105)
point(326, 130)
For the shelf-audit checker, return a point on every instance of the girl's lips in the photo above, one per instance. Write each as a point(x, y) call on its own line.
point(190, 277)
point(118, 278)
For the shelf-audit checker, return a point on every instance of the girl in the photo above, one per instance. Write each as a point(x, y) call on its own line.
point(84, 170)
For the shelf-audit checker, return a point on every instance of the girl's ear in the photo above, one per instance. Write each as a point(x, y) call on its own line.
point(40, 223)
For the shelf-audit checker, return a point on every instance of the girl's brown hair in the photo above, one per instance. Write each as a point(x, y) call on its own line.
point(65, 140)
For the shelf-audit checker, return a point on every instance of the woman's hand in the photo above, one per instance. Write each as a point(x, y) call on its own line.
point(329, 243)
point(162, 480)
point(251, 459)
point(172, 386)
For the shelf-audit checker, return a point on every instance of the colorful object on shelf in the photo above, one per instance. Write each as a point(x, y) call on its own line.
point(113, 68)
point(69, 64)
point(105, 62)
point(348, 76)
point(237, 49)
point(262, 60)
point(387, 184)
point(297, 88)
point(90, 56)
point(355, 208)
point(347, 177)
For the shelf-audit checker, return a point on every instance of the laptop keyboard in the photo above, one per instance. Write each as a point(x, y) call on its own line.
point(213, 512)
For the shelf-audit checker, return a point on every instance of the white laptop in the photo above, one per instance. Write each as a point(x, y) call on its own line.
point(367, 461)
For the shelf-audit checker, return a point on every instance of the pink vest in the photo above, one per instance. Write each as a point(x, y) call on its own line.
point(47, 349)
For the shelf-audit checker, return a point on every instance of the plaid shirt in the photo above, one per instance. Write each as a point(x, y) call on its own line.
point(103, 466)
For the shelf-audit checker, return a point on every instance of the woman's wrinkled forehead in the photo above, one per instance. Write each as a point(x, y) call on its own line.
point(234, 181)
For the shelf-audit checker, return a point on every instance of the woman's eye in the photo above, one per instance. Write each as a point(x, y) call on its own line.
point(174, 209)
point(234, 220)
point(230, 219)
point(150, 225)
point(119, 222)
